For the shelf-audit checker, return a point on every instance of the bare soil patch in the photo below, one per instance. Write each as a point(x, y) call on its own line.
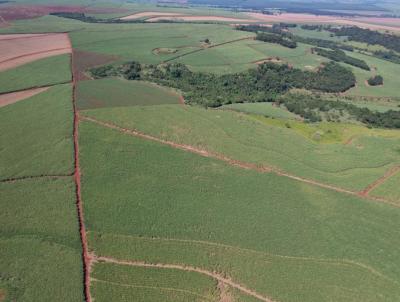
point(16, 50)
point(198, 18)
point(13, 97)
point(149, 14)
point(2, 295)
point(17, 12)
point(391, 24)
point(84, 60)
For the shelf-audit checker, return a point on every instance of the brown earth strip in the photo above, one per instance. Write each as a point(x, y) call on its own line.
point(237, 163)
point(224, 295)
point(77, 177)
point(211, 274)
point(391, 172)
point(13, 97)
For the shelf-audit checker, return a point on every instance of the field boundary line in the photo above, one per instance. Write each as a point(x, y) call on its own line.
point(214, 275)
point(35, 87)
point(77, 177)
point(36, 53)
point(204, 48)
point(48, 176)
point(237, 163)
point(151, 287)
point(388, 174)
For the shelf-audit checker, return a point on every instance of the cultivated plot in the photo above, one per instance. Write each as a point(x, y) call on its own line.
point(16, 50)
point(147, 202)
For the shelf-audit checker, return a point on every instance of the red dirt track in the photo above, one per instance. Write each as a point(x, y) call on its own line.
point(77, 177)
point(187, 268)
point(16, 50)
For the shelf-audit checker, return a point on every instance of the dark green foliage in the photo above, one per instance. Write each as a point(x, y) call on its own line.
point(311, 106)
point(323, 43)
point(369, 36)
point(88, 19)
point(388, 56)
point(375, 81)
point(103, 71)
point(312, 27)
point(340, 56)
point(263, 84)
point(131, 71)
point(273, 38)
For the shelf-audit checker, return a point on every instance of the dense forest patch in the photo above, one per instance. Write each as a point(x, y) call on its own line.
point(263, 84)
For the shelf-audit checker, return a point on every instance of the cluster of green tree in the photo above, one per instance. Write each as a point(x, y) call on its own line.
point(323, 43)
point(277, 39)
point(313, 108)
point(278, 29)
point(88, 19)
point(375, 80)
point(312, 27)
point(388, 56)
point(340, 56)
point(287, 25)
point(368, 36)
point(263, 84)
point(274, 29)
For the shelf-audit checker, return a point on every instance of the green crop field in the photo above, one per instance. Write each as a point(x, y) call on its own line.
point(390, 188)
point(139, 41)
point(121, 283)
point(115, 92)
point(40, 257)
point(227, 169)
point(44, 72)
point(239, 206)
point(265, 109)
point(313, 151)
point(38, 135)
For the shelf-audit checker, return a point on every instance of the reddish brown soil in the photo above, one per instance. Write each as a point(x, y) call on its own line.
point(84, 60)
point(389, 173)
point(16, 50)
point(16, 12)
point(216, 276)
point(237, 163)
point(13, 97)
point(77, 177)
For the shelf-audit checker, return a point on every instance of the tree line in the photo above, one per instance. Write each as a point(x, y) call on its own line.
point(340, 56)
point(314, 108)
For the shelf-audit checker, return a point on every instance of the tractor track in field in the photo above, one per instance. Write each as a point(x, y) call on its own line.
point(214, 275)
point(237, 163)
point(204, 48)
point(29, 177)
point(77, 177)
point(389, 173)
